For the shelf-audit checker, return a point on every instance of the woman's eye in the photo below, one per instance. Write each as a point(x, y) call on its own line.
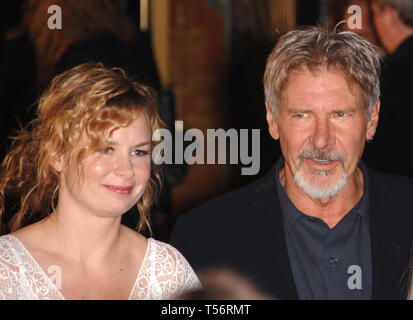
point(107, 150)
point(140, 153)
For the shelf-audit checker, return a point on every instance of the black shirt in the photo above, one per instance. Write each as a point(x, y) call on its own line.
point(329, 263)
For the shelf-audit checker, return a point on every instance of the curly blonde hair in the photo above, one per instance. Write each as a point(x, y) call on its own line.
point(88, 99)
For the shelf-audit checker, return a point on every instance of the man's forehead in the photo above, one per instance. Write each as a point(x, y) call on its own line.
point(318, 71)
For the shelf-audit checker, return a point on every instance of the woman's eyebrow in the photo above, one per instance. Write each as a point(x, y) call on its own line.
point(140, 144)
point(143, 144)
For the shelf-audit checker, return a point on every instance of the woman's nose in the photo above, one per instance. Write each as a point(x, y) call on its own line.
point(124, 168)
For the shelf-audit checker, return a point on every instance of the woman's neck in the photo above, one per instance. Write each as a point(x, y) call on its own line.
point(84, 238)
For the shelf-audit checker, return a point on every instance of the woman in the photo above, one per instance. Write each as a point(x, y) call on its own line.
point(84, 162)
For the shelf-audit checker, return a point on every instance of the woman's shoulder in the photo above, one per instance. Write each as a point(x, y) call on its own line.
point(169, 269)
point(14, 257)
point(10, 248)
point(12, 261)
point(167, 254)
point(21, 277)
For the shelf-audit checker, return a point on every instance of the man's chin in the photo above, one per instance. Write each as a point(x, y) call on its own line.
point(320, 184)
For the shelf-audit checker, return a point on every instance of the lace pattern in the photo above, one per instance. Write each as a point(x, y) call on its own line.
point(164, 274)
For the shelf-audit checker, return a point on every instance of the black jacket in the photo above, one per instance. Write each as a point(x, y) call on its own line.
point(243, 230)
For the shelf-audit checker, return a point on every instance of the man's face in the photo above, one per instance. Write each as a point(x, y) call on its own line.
point(322, 127)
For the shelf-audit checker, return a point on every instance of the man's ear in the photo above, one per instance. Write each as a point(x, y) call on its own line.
point(392, 15)
point(272, 123)
point(373, 122)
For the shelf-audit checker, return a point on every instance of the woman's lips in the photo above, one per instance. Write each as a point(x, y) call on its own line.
point(120, 190)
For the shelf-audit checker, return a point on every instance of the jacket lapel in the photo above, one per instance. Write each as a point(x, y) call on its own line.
point(278, 268)
point(388, 244)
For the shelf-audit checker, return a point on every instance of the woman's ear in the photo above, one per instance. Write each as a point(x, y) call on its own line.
point(57, 163)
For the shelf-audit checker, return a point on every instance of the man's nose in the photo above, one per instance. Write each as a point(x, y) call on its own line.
point(124, 167)
point(323, 136)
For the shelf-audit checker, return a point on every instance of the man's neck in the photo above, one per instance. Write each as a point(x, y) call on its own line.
point(331, 210)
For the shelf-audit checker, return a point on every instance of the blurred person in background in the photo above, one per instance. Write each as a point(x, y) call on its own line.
point(94, 29)
point(32, 51)
point(17, 74)
point(393, 21)
point(224, 284)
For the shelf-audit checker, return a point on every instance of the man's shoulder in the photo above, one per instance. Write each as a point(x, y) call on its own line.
point(391, 212)
point(397, 185)
point(238, 202)
point(220, 231)
point(392, 194)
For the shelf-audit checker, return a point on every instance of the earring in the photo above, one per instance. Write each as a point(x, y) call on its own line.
point(369, 140)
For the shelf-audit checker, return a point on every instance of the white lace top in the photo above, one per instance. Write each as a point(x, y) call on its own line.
point(164, 274)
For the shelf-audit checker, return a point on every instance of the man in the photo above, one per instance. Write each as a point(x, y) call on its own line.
point(393, 21)
point(320, 224)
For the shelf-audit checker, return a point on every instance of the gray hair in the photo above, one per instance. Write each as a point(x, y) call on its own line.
point(318, 48)
point(403, 7)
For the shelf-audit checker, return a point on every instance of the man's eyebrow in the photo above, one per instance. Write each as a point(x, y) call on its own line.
point(298, 110)
point(346, 109)
point(305, 110)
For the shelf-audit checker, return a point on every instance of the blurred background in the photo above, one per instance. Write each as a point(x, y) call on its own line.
point(206, 58)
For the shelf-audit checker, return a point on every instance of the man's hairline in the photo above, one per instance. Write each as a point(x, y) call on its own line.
point(339, 69)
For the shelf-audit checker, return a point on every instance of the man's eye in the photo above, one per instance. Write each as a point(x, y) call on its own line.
point(301, 115)
point(340, 114)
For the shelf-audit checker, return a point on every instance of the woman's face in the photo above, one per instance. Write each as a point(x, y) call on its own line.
point(115, 178)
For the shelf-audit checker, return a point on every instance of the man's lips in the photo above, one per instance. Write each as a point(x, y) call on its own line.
point(322, 164)
point(120, 190)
